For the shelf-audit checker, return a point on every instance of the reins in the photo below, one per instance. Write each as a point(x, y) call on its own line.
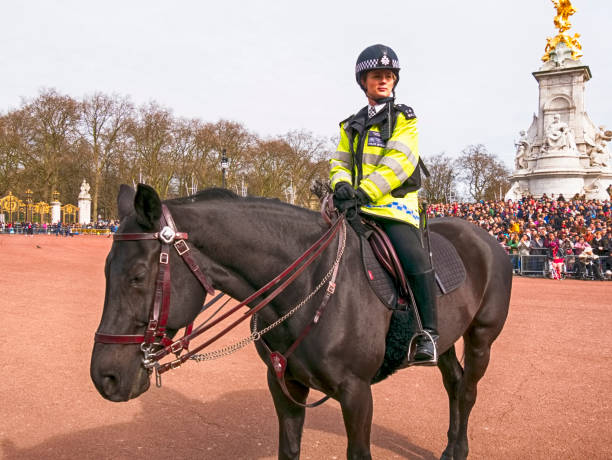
point(155, 335)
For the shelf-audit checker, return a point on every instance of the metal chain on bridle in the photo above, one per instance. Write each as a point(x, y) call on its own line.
point(255, 334)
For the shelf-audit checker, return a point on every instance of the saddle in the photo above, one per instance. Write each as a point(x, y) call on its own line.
point(384, 271)
point(383, 268)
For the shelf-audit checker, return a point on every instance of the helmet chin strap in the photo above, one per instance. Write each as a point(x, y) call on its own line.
point(383, 100)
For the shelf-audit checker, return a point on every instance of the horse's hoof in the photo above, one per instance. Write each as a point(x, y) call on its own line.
point(445, 456)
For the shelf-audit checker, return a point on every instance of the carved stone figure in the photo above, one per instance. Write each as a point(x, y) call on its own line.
point(593, 188)
point(598, 152)
point(559, 136)
point(522, 149)
point(84, 191)
point(600, 155)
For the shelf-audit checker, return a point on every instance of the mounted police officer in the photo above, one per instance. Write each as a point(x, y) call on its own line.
point(376, 169)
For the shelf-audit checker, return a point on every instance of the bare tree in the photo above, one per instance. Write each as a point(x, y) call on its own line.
point(482, 172)
point(212, 140)
point(152, 159)
point(103, 127)
point(11, 147)
point(307, 163)
point(441, 183)
point(49, 139)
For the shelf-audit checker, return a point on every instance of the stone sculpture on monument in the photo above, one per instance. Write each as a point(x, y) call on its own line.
point(598, 152)
point(522, 147)
point(84, 204)
point(559, 137)
point(563, 151)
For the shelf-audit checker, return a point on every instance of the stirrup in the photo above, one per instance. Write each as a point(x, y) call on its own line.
point(411, 352)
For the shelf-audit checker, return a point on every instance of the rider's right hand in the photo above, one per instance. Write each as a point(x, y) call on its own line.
point(344, 191)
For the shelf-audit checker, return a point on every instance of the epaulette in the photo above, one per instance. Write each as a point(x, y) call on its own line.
point(346, 119)
point(406, 110)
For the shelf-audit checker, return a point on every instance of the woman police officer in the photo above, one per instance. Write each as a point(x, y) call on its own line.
point(376, 169)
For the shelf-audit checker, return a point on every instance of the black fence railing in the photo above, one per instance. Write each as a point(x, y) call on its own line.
point(573, 266)
point(63, 231)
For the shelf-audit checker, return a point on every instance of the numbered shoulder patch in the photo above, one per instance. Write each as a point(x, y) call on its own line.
point(406, 110)
point(374, 139)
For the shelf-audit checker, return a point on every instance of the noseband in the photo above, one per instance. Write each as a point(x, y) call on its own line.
point(156, 334)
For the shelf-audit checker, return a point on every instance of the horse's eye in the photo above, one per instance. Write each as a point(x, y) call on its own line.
point(137, 279)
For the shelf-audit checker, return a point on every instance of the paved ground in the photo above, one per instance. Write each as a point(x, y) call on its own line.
point(546, 394)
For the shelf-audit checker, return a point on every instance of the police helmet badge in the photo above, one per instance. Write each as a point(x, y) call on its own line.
point(385, 60)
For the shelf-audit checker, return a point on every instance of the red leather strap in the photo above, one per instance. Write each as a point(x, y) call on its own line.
point(135, 236)
point(113, 338)
point(279, 363)
point(184, 251)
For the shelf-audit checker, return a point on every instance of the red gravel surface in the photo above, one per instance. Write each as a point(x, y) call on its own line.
point(546, 394)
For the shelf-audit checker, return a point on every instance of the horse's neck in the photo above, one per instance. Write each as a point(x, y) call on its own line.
point(245, 247)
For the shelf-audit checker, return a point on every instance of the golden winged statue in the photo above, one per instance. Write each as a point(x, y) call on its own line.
point(564, 10)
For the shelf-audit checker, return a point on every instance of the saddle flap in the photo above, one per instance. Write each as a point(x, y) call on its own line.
point(380, 281)
point(381, 266)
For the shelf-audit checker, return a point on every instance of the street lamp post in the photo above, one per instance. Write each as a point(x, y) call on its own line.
point(10, 207)
point(29, 205)
point(224, 166)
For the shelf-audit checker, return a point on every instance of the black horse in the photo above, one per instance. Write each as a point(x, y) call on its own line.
point(242, 243)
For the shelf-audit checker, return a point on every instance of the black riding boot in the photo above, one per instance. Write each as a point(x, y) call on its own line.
point(423, 288)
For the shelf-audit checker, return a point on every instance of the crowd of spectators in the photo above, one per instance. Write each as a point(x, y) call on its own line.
point(575, 235)
point(59, 228)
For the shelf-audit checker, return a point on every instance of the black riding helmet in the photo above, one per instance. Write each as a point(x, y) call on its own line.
point(376, 57)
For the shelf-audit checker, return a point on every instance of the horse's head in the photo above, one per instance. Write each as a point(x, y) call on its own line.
point(131, 271)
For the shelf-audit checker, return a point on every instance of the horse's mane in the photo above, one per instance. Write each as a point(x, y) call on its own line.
point(216, 193)
point(206, 194)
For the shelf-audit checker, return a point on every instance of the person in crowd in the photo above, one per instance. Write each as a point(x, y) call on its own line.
point(580, 246)
point(588, 265)
point(556, 258)
point(376, 171)
point(600, 244)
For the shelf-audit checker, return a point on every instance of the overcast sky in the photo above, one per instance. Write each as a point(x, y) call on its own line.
point(277, 66)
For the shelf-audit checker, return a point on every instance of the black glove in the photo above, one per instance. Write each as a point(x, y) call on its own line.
point(344, 191)
point(343, 205)
point(362, 197)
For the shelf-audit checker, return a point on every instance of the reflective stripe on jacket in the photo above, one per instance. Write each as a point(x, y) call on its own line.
point(384, 168)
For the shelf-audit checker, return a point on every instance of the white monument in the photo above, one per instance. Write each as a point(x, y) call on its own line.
point(56, 209)
point(84, 204)
point(563, 152)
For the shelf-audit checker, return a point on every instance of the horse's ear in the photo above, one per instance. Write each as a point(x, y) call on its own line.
point(125, 200)
point(148, 206)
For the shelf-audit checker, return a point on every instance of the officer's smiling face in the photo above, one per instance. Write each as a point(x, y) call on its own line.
point(379, 83)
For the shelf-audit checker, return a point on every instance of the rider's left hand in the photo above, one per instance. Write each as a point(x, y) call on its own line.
point(362, 197)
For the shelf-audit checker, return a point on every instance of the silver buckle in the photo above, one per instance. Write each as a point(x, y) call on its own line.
point(181, 247)
point(167, 235)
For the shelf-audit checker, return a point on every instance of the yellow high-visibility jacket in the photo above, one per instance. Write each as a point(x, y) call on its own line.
point(383, 170)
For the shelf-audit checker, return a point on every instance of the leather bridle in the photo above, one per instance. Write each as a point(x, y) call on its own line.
point(156, 334)
point(155, 342)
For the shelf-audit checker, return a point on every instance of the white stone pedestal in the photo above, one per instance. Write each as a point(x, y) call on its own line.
point(56, 212)
point(84, 211)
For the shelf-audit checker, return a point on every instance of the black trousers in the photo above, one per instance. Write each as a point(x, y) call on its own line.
point(406, 240)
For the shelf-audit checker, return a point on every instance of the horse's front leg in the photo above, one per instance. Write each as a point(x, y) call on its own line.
point(356, 402)
point(290, 416)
